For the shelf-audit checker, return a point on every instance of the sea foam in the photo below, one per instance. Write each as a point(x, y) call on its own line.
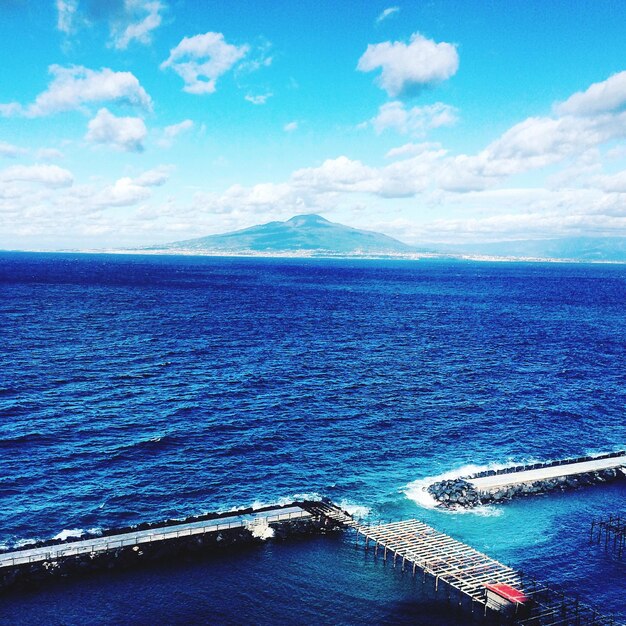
point(417, 491)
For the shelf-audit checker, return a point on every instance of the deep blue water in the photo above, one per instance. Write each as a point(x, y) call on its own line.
point(137, 388)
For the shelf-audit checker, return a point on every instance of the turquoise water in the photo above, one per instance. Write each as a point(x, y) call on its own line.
point(139, 388)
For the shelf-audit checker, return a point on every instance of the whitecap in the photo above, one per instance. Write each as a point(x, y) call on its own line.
point(358, 511)
point(67, 533)
point(22, 543)
point(417, 491)
point(260, 529)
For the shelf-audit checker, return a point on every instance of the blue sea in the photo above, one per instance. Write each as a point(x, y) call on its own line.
point(139, 388)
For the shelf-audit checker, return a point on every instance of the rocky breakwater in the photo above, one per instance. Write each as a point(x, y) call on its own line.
point(461, 493)
point(457, 493)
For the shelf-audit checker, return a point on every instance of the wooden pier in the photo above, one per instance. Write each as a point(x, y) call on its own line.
point(466, 576)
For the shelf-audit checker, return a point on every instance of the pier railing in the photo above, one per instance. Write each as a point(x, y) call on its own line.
point(513, 469)
point(106, 544)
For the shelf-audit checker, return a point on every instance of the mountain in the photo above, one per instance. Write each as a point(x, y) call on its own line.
point(570, 248)
point(310, 233)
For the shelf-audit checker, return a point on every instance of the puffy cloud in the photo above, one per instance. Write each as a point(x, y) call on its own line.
point(387, 13)
point(415, 120)
point(124, 192)
point(9, 150)
point(176, 129)
point(340, 174)
point(531, 145)
point(124, 133)
point(139, 19)
point(202, 59)
point(258, 99)
point(74, 86)
point(47, 175)
point(608, 95)
point(397, 180)
point(290, 127)
point(406, 69)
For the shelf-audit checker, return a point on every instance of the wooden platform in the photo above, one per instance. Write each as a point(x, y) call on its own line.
point(138, 537)
point(414, 545)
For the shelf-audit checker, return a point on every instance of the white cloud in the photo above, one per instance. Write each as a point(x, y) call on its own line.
point(605, 96)
point(202, 59)
point(532, 144)
point(10, 151)
point(387, 13)
point(75, 86)
point(47, 175)
point(124, 192)
point(407, 69)
point(155, 177)
point(124, 133)
point(140, 18)
point(615, 183)
point(66, 14)
point(176, 129)
point(258, 99)
point(290, 127)
point(415, 120)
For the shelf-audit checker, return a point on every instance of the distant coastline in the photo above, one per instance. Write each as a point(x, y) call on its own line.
point(323, 254)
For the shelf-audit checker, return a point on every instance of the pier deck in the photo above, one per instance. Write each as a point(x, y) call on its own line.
point(151, 535)
point(417, 545)
point(497, 481)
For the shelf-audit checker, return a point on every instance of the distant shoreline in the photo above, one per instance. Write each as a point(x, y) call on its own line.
point(312, 254)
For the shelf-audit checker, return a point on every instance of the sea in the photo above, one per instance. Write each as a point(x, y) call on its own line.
point(137, 388)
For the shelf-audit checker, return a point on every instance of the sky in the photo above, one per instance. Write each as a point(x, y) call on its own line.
point(137, 122)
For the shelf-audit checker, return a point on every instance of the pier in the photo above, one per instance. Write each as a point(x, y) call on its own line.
point(525, 480)
point(255, 522)
point(547, 472)
point(473, 580)
point(611, 532)
point(478, 584)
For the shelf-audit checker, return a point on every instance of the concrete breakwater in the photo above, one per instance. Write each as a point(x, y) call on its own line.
point(525, 480)
point(145, 543)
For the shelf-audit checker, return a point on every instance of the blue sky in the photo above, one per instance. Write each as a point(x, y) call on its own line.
point(133, 122)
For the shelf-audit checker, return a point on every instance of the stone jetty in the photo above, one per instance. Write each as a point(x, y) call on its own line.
point(146, 543)
point(527, 480)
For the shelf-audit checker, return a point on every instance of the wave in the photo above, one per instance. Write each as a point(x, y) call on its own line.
point(34, 438)
point(358, 511)
point(74, 533)
point(417, 491)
